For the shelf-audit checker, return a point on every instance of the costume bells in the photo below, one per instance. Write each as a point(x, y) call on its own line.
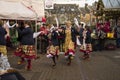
point(26, 52)
point(52, 52)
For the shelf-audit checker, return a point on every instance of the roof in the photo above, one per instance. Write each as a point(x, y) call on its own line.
point(36, 6)
point(111, 4)
point(15, 10)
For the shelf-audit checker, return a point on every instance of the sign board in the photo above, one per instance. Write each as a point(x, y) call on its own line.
point(49, 4)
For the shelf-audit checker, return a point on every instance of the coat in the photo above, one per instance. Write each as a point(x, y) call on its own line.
point(2, 36)
point(88, 37)
point(54, 38)
point(26, 36)
point(73, 34)
point(12, 76)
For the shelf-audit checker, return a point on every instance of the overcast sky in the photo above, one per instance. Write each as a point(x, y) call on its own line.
point(90, 1)
point(81, 2)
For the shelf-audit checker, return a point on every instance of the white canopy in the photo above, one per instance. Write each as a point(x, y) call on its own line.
point(15, 10)
point(37, 6)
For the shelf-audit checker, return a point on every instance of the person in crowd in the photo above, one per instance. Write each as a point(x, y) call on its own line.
point(6, 71)
point(101, 39)
point(26, 50)
point(6, 27)
point(86, 46)
point(4, 32)
point(106, 26)
point(117, 33)
point(70, 40)
point(43, 39)
point(94, 38)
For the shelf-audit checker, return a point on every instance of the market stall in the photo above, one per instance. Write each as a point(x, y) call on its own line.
point(112, 13)
point(107, 14)
point(18, 10)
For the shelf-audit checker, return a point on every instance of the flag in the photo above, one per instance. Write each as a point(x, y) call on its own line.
point(8, 25)
point(56, 19)
point(36, 34)
point(76, 22)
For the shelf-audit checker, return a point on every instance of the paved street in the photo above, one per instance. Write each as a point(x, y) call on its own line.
point(103, 65)
point(47, 24)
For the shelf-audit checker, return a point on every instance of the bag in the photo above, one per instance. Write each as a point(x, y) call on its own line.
point(93, 36)
point(78, 42)
point(12, 76)
point(110, 35)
